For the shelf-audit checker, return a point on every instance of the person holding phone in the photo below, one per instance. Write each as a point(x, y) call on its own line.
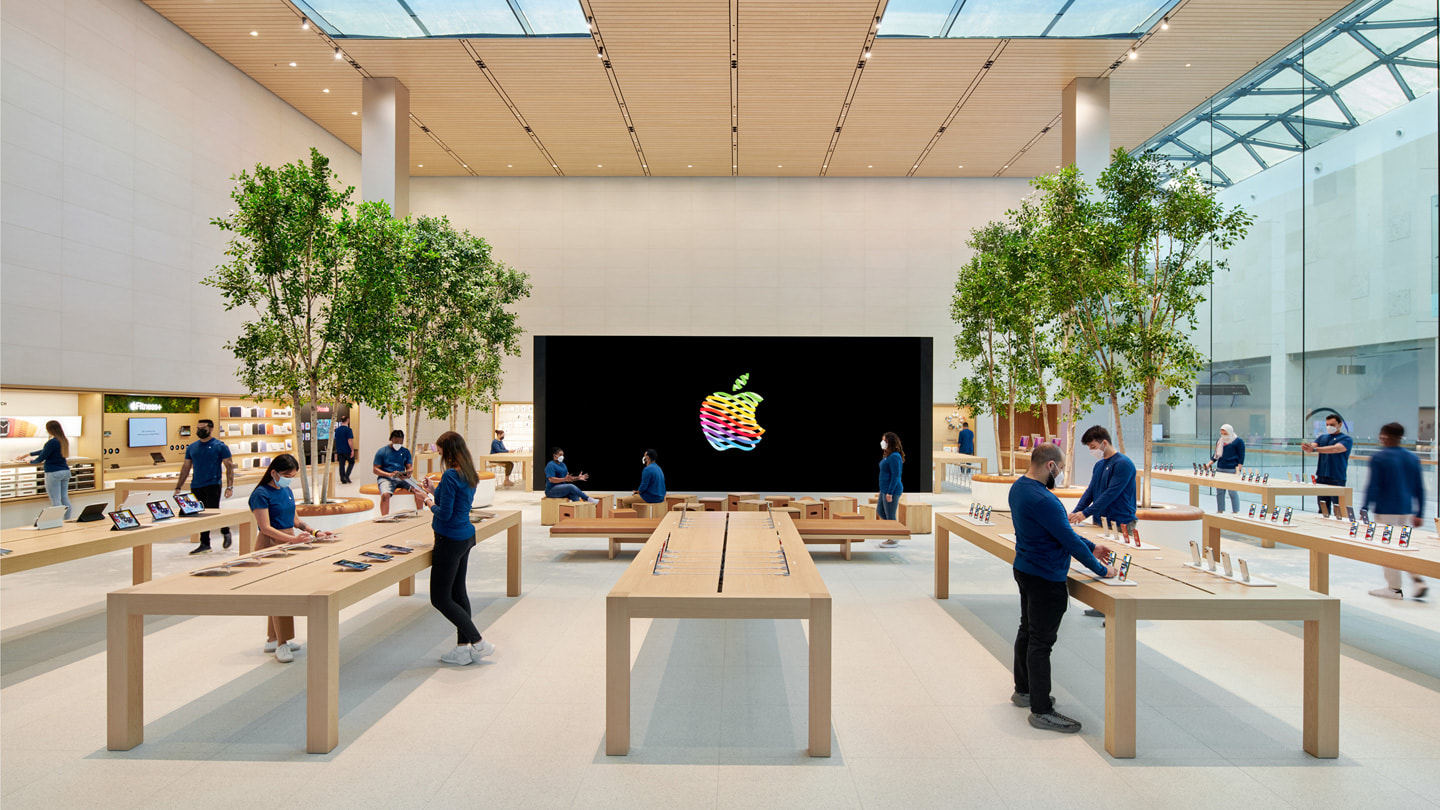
point(652, 479)
point(56, 465)
point(1395, 496)
point(1111, 493)
point(450, 503)
point(558, 479)
point(892, 463)
point(393, 469)
point(345, 447)
point(1044, 546)
point(205, 457)
point(1229, 456)
point(1333, 462)
point(273, 504)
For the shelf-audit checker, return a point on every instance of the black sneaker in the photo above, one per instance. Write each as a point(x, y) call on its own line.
point(1420, 592)
point(201, 549)
point(1021, 699)
point(226, 544)
point(1094, 613)
point(1054, 721)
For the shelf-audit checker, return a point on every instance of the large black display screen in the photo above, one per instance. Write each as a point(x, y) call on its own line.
point(787, 415)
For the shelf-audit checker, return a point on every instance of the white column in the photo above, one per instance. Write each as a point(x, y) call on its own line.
point(385, 143)
point(1085, 126)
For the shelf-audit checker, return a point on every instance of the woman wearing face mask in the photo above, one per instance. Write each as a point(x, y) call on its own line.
point(652, 479)
point(892, 461)
point(558, 478)
point(273, 505)
point(1229, 457)
point(450, 502)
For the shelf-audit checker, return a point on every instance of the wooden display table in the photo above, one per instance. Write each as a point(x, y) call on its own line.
point(618, 530)
point(244, 482)
point(37, 548)
point(1318, 535)
point(1267, 492)
point(718, 565)
point(525, 461)
point(943, 459)
point(308, 584)
point(1167, 589)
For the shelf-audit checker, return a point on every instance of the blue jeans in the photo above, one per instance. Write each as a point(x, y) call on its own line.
point(57, 486)
point(1220, 496)
point(570, 491)
point(887, 511)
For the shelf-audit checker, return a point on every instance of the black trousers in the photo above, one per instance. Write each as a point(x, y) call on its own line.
point(347, 464)
point(209, 497)
point(447, 585)
point(1042, 605)
point(1328, 502)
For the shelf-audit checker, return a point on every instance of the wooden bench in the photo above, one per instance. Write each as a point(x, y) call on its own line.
point(306, 583)
point(619, 531)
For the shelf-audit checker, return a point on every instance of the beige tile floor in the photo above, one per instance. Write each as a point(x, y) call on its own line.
point(921, 710)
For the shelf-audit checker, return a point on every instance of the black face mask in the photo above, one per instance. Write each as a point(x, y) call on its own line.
point(203, 433)
point(1050, 480)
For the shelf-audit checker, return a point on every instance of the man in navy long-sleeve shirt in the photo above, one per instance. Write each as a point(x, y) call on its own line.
point(1044, 546)
point(1395, 495)
point(652, 479)
point(1111, 493)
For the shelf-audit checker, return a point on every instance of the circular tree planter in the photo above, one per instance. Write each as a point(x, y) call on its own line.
point(994, 491)
point(1170, 524)
point(335, 513)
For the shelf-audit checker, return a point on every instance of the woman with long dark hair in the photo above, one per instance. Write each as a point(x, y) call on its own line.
point(450, 503)
point(892, 461)
point(273, 505)
point(54, 455)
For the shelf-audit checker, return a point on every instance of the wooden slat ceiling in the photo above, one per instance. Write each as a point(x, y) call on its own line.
point(797, 63)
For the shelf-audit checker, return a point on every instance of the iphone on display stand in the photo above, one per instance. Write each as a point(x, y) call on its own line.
point(1244, 571)
point(1365, 516)
point(1369, 532)
point(1288, 513)
point(1264, 510)
point(1385, 536)
point(1354, 529)
point(1252, 510)
point(1124, 567)
point(1225, 560)
point(1350, 513)
point(1195, 553)
point(1209, 559)
point(1404, 541)
point(1266, 479)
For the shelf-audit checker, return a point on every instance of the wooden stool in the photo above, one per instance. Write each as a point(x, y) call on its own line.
point(605, 506)
point(576, 509)
point(624, 513)
point(835, 507)
point(847, 516)
point(732, 501)
point(648, 510)
point(671, 500)
point(915, 516)
point(550, 510)
point(810, 510)
point(867, 511)
point(625, 501)
point(753, 505)
point(713, 504)
point(795, 513)
point(779, 500)
point(683, 506)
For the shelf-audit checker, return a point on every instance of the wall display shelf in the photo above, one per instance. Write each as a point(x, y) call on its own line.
point(517, 419)
point(21, 480)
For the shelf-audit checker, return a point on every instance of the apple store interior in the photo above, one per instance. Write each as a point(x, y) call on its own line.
point(819, 403)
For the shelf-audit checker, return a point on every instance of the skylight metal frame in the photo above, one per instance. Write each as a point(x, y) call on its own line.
point(517, 8)
point(947, 28)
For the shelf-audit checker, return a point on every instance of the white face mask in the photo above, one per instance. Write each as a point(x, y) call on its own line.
point(560, 459)
point(1097, 452)
point(396, 445)
point(644, 460)
point(883, 445)
point(1226, 438)
point(284, 482)
point(1332, 429)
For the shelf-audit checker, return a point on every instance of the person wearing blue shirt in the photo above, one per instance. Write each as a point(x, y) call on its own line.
point(273, 504)
point(1229, 457)
point(1044, 546)
point(206, 457)
point(55, 465)
point(345, 448)
point(1111, 493)
point(652, 479)
point(393, 468)
point(497, 445)
point(1333, 462)
point(892, 463)
point(1395, 495)
point(967, 439)
point(558, 479)
point(450, 503)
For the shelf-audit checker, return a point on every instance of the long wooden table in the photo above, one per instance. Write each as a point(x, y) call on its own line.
point(943, 459)
point(308, 584)
point(812, 531)
point(1167, 589)
point(37, 548)
point(718, 565)
point(1267, 492)
point(1317, 534)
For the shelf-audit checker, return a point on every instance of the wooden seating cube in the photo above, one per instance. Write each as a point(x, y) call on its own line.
point(810, 510)
point(834, 507)
point(576, 509)
point(685, 506)
point(648, 510)
point(715, 504)
point(778, 500)
point(753, 505)
point(624, 513)
point(605, 505)
point(671, 500)
point(794, 512)
point(867, 511)
point(732, 501)
point(550, 510)
point(916, 517)
point(625, 501)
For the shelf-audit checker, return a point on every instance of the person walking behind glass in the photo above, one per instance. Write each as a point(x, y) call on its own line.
point(345, 448)
point(273, 504)
point(1333, 463)
point(205, 456)
point(1395, 496)
point(1229, 456)
point(892, 462)
point(55, 458)
point(450, 503)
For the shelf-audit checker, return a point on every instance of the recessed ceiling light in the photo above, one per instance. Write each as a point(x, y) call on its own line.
point(1187, 64)
point(599, 165)
point(254, 33)
point(339, 55)
point(420, 165)
point(779, 167)
point(689, 165)
point(305, 26)
point(959, 167)
point(1133, 54)
point(1165, 24)
point(292, 64)
point(464, 165)
point(872, 166)
point(867, 54)
point(509, 165)
point(354, 112)
point(326, 90)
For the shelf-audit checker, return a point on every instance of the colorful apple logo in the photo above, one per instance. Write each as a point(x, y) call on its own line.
point(728, 418)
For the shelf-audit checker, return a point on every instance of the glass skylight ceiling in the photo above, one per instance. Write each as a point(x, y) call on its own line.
point(1016, 19)
point(406, 19)
point(1379, 56)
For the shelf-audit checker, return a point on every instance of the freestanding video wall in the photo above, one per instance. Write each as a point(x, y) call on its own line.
point(789, 415)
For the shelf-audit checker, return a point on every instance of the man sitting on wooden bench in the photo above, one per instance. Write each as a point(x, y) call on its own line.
point(652, 479)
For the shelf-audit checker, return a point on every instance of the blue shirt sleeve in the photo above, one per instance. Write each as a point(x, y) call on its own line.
point(1114, 488)
point(1372, 486)
point(380, 456)
point(1239, 451)
point(50, 452)
point(1053, 520)
point(445, 497)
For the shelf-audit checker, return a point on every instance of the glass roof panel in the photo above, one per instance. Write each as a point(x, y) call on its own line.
point(1421, 80)
point(1404, 10)
point(1372, 95)
point(550, 17)
point(1236, 163)
point(1005, 18)
point(915, 18)
point(1203, 138)
point(1337, 59)
point(1389, 40)
point(1100, 18)
point(1425, 50)
point(1287, 79)
point(1247, 105)
point(1277, 133)
point(1271, 155)
point(449, 17)
point(362, 18)
point(1323, 108)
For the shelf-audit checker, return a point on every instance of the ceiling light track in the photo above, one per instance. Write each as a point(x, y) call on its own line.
point(326, 38)
point(870, 31)
point(734, 88)
point(444, 146)
point(1132, 51)
point(510, 105)
point(959, 105)
point(1015, 158)
point(614, 84)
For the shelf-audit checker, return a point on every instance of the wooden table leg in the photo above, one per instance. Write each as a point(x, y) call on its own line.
point(124, 676)
point(846, 549)
point(939, 475)
point(322, 677)
point(820, 660)
point(1322, 683)
point(613, 548)
point(512, 561)
point(1195, 495)
point(407, 586)
point(1120, 680)
point(1269, 501)
point(942, 563)
point(1344, 503)
point(1319, 572)
point(141, 563)
point(247, 537)
point(617, 676)
point(1212, 541)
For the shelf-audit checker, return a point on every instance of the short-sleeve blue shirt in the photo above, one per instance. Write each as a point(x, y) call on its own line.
point(391, 460)
point(206, 458)
point(1333, 465)
point(343, 435)
point(554, 470)
point(278, 501)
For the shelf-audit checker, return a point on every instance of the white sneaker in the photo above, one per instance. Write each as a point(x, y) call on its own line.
point(270, 646)
point(460, 656)
point(1387, 593)
point(284, 654)
point(478, 651)
point(890, 544)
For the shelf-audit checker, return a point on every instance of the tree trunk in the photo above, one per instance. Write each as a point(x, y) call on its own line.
point(330, 456)
point(314, 453)
point(299, 444)
point(1011, 456)
point(1119, 431)
point(1149, 442)
point(1071, 427)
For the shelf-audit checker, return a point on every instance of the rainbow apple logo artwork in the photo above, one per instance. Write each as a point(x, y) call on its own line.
point(728, 418)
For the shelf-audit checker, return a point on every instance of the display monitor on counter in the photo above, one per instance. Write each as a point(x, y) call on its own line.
point(148, 431)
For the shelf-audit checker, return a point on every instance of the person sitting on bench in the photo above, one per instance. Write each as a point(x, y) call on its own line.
point(393, 469)
point(558, 478)
point(497, 445)
point(652, 479)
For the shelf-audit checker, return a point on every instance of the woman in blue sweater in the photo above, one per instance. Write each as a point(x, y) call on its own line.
point(891, 463)
point(450, 502)
point(57, 467)
point(1229, 456)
